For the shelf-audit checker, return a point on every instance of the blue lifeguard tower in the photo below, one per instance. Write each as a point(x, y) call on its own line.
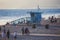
point(35, 17)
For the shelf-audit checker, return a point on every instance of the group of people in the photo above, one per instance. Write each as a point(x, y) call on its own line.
point(5, 34)
point(53, 19)
point(25, 31)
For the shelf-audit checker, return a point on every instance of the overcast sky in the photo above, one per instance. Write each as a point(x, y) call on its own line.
point(29, 4)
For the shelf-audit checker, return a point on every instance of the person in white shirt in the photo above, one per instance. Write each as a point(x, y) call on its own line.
point(15, 35)
point(3, 35)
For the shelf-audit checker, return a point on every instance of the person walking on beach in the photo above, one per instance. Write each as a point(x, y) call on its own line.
point(15, 35)
point(4, 30)
point(27, 31)
point(23, 30)
point(3, 35)
point(0, 31)
point(8, 34)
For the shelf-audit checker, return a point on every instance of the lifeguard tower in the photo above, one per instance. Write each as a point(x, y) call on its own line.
point(36, 16)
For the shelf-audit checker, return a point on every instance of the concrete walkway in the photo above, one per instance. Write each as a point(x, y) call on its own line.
point(39, 34)
point(35, 37)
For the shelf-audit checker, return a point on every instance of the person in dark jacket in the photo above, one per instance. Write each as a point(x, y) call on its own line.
point(23, 30)
point(8, 34)
point(27, 31)
point(0, 31)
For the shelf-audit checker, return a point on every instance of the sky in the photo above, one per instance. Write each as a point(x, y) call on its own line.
point(26, 4)
point(29, 4)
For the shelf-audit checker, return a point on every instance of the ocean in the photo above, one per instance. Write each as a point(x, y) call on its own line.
point(8, 15)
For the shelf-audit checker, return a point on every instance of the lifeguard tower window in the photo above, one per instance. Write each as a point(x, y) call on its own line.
point(35, 17)
point(32, 15)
